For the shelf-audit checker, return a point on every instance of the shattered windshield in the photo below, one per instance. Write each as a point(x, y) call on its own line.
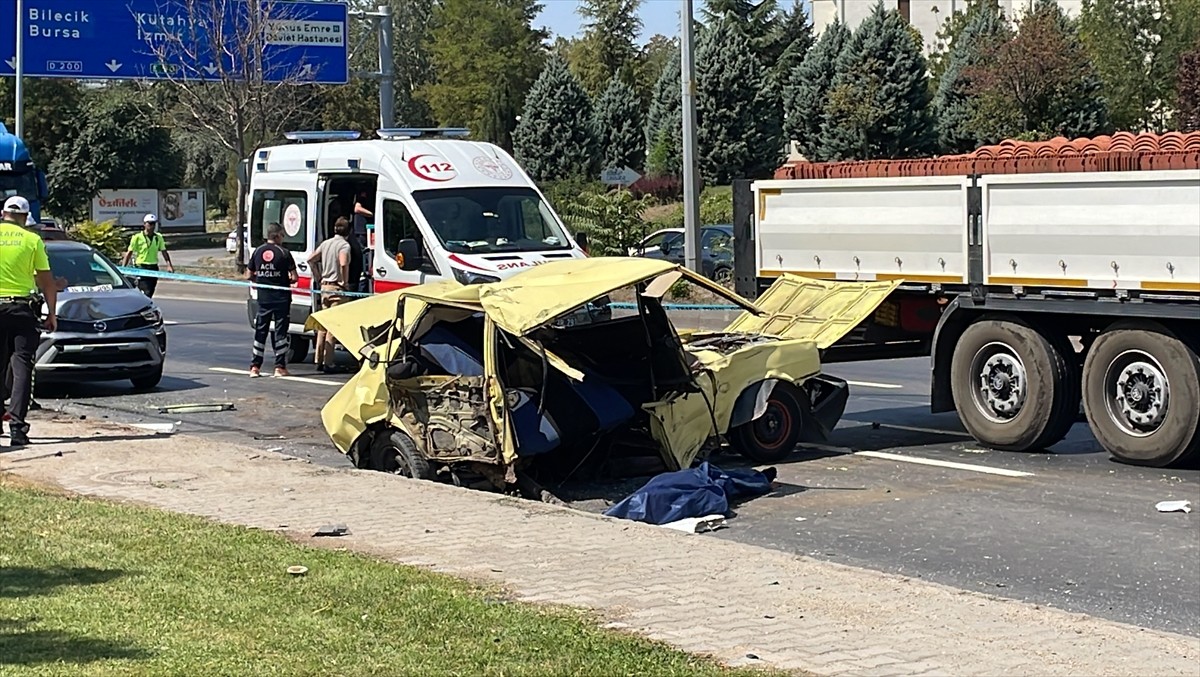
point(490, 220)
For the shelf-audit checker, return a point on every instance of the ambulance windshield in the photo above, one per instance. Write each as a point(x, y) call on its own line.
point(489, 220)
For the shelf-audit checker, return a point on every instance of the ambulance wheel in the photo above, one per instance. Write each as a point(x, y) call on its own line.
point(772, 437)
point(297, 348)
point(395, 452)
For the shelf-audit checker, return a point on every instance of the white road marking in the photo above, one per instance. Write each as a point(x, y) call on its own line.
point(266, 374)
point(169, 323)
point(872, 384)
point(944, 464)
point(911, 428)
point(920, 461)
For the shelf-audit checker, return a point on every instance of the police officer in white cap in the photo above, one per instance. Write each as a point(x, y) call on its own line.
point(144, 249)
point(24, 267)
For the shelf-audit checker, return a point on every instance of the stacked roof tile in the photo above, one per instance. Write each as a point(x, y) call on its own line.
point(1121, 152)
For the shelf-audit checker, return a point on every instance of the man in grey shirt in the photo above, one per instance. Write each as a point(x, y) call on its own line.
point(331, 265)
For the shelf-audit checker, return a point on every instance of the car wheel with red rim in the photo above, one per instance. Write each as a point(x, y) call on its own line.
point(770, 438)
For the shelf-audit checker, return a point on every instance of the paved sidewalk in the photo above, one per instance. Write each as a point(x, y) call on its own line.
point(696, 592)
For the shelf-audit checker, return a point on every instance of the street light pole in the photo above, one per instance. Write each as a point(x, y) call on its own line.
point(691, 188)
point(387, 70)
point(19, 67)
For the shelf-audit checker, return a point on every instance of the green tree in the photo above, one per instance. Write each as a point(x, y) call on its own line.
point(739, 121)
point(758, 20)
point(1040, 83)
point(121, 144)
point(664, 123)
point(500, 117)
point(554, 140)
point(475, 45)
point(412, 32)
point(617, 126)
point(953, 102)
point(878, 104)
point(1187, 104)
point(807, 90)
point(1135, 46)
point(51, 114)
point(655, 57)
point(611, 219)
point(793, 37)
point(608, 48)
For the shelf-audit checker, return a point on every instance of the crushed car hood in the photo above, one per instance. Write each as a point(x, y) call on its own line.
point(538, 296)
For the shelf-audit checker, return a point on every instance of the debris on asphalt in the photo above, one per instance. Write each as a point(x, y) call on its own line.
point(196, 408)
point(801, 519)
point(297, 570)
point(1174, 506)
point(332, 530)
point(695, 492)
point(275, 450)
point(697, 525)
point(269, 437)
point(157, 428)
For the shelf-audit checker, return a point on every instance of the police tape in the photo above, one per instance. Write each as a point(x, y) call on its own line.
point(184, 277)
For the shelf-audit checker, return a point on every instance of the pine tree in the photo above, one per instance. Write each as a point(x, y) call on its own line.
point(793, 38)
point(617, 127)
point(553, 140)
point(739, 123)
point(664, 123)
point(878, 103)
point(500, 117)
point(608, 47)
point(953, 103)
point(807, 90)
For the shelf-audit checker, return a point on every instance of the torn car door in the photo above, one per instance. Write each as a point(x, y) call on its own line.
point(822, 311)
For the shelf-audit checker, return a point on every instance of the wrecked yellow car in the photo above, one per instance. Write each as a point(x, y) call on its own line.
point(489, 385)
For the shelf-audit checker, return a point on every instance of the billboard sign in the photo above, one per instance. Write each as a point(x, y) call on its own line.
point(177, 208)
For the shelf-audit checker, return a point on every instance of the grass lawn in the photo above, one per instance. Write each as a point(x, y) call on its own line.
point(88, 587)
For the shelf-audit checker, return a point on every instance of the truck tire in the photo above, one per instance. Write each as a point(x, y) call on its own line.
point(297, 348)
point(395, 452)
point(773, 436)
point(1141, 389)
point(1014, 389)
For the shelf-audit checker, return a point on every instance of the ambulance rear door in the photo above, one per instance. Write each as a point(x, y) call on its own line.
point(291, 202)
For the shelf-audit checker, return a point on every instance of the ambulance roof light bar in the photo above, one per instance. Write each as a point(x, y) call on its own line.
point(306, 136)
point(399, 133)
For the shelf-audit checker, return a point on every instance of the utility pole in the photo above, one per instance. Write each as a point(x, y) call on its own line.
point(387, 69)
point(19, 84)
point(691, 187)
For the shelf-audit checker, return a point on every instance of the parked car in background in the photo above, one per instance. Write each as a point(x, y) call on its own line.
point(50, 230)
point(107, 329)
point(716, 249)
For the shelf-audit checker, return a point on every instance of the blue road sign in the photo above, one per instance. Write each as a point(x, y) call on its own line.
point(165, 39)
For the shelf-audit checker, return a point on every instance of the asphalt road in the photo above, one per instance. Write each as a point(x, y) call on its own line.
point(1069, 528)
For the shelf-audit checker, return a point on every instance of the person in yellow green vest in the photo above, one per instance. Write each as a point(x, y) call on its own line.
point(24, 268)
point(144, 249)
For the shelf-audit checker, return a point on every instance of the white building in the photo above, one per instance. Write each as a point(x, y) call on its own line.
point(926, 15)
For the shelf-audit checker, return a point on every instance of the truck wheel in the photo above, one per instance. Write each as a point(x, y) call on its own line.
point(1140, 393)
point(770, 438)
point(395, 452)
point(297, 348)
point(1013, 388)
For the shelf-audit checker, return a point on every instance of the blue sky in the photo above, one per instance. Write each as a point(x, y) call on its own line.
point(658, 16)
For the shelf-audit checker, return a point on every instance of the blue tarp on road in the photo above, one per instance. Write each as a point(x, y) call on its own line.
point(695, 492)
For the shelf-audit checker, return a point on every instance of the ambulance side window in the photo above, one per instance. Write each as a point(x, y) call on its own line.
point(398, 224)
point(288, 208)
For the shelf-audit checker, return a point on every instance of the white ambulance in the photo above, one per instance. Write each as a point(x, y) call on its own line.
point(444, 206)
